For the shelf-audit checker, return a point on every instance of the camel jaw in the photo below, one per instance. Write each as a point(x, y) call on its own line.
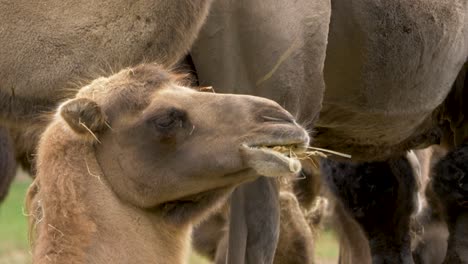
point(274, 160)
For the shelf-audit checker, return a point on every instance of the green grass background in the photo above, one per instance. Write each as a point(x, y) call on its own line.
point(14, 248)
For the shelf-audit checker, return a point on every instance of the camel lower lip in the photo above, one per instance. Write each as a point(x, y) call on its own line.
point(273, 160)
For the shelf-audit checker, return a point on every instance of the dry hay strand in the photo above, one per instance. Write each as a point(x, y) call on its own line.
point(309, 155)
point(323, 152)
point(90, 131)
point(312, 151)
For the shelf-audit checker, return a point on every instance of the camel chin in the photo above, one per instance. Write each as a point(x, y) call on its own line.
point(274, 160)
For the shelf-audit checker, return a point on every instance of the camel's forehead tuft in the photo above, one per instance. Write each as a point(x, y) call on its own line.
point(150, 74)
point(131, 89)
point(132, 84)
point(141, 79)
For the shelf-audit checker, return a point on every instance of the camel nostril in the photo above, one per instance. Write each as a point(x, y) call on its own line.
point(265, 110)
point(278, 117)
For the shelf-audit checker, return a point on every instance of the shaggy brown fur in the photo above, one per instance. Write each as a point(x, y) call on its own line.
point(125, 168)
point(296, 240)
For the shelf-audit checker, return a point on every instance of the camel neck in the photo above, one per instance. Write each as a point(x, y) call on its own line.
point(128, 234)
point(79, 219)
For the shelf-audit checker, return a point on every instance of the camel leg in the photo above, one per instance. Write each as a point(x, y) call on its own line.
point(295, 244)
point(379, 196)
point(7, 162)
point(254, 223)
point(431, 246)
point(450, 183)
point(354, 248)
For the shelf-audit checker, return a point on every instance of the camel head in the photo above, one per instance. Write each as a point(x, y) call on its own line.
point(140, 152)
point(150, 131)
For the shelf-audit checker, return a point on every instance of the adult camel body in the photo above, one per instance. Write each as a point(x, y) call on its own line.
point(388, 68)
point(50, 48)
point(127, 166)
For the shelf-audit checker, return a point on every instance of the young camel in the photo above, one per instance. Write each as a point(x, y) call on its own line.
point(134, 160)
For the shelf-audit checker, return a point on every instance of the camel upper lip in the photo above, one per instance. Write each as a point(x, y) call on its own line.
point(298, 145)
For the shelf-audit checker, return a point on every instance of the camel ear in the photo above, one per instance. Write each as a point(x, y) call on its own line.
point(84, 116)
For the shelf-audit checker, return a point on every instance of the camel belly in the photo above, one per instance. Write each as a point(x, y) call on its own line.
point(389, 64)
point(345, 130)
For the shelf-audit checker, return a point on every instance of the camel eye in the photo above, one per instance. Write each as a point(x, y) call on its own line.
point(169, 119)
point(166, 122)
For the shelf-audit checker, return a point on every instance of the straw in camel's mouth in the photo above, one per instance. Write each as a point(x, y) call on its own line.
point(290, 150)
point(281, 158)
point(274, 159)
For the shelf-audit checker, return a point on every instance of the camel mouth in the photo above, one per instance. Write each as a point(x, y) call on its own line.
point(275, 159)
point(288, 150)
